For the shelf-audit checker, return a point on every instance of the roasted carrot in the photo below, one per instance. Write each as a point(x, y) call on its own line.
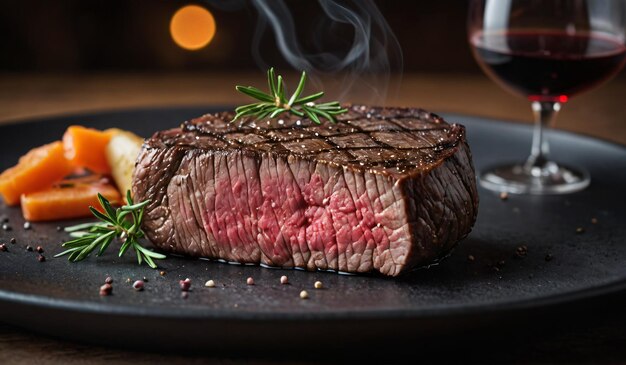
point(38, 169)
point(69, 198)
point(85, 147)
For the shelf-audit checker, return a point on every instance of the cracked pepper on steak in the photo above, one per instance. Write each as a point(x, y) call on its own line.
point(383, 190)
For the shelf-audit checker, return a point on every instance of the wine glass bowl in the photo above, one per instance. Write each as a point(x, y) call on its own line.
point(546, 51)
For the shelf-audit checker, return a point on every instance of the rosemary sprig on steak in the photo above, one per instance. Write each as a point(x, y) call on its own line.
point(275, 102)
point(123, 223)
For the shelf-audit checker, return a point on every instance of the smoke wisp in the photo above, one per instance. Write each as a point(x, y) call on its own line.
point(360, 71)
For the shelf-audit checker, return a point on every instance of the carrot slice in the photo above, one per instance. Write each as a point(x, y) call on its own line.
point(85, 147)
point(68, 199)
point(38, 169)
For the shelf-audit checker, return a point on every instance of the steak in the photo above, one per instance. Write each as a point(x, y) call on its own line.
point(382, 190)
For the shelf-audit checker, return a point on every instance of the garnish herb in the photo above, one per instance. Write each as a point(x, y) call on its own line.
point(123, 223)
point(276, 101)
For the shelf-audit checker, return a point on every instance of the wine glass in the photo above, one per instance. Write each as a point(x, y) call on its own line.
point(546, 51)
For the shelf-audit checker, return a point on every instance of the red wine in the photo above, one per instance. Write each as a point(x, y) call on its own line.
point(548, 66)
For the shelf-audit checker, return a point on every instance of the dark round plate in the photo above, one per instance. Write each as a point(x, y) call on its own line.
point(483, 282)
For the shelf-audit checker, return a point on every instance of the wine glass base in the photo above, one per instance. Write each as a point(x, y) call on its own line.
point(520, 179)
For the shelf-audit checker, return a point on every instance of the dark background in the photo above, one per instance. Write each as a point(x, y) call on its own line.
point(133, 35)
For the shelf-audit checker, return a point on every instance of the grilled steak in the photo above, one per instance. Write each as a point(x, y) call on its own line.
point(384, 189)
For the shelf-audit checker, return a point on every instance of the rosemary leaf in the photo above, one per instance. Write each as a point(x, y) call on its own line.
point(275, 103)
point(310, 98)
point(123, 223)
point(101, 216)
point(299, 89)
point(108, 209)
point(255, 93)
point(83, 226)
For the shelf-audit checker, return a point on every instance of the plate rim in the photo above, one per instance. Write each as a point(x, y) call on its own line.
point(193, 313)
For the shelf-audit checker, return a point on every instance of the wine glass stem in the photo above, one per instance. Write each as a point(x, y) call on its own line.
point(545, 113)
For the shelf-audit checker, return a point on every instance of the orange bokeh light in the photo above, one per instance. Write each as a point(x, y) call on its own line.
point(192, 27)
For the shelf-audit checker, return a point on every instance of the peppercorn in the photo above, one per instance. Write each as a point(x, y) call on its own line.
point(250, 281)
point(3, 247)
point(108, 280)
point(185, 285)
point(6, 227)
point(41, 258)
point(504, 195)
point(521, 251)
point(106, 289)
point(284, 280)
point(39, 249)
point(27, 226)
point(13, 240)
point(29, 248)
point(138, 285)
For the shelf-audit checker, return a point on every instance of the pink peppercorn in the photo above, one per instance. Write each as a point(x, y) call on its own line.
point(138, 285)
point(106, 289)
point(185, 285)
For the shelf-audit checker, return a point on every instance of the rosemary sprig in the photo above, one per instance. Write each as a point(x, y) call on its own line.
point(123, 223)
point(276, 101)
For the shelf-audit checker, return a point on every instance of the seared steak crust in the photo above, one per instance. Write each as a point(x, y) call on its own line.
point(384, 189)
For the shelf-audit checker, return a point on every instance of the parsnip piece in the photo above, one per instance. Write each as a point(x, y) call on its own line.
point(121, 154)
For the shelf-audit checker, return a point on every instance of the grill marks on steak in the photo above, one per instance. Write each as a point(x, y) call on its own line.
point(382, 190)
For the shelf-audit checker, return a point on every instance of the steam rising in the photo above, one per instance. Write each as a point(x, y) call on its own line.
point(360, 72)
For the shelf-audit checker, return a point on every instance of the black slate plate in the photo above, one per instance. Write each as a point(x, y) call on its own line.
point(457, 296)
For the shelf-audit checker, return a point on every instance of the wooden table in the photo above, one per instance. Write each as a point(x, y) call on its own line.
point(599, 113)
